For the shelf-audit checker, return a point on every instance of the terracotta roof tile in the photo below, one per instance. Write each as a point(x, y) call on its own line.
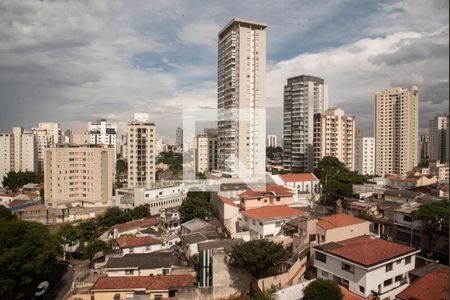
point(433, 285)
point(157, 283)
point(136, 241)
point(366, 250)
point(338, 220)
point(349, 295)
point(33, 208)
point(136, 224)
point(299, 177)
point(270, 190)
point(227, 201)
point(269, 212)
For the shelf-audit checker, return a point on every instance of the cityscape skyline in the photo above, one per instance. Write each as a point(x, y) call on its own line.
point(407, 49)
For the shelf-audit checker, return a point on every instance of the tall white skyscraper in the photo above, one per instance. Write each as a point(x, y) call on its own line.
point(17, 152)
point(438, 138)
point(271, 140)
point(141, 136)
point(242, 98)
point(304, 96)
point(334, 135)
point(365, 155)
point(396, 127)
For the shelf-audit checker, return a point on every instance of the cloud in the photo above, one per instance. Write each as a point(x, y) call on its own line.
point(202, 33)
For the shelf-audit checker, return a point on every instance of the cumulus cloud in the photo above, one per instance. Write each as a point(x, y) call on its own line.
point(72, 62)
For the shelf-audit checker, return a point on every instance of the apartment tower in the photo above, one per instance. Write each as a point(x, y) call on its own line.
point(78, 175)
point(179, 137)
point(241, 128)
point(304, 96)
point(365, 155)
point(334, 135)
point(271, 140)
point(396, 127)
point(141, 135)
point(438, 138)
point(103, 133)
point(206, 151)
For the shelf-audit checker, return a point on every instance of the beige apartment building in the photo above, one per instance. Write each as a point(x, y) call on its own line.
point(396, 127)
point(241, 128)
point(438, 147)
point(206, 151)
point(141, 136)
point(46, 135)
point(334, 135)
point(78, 175)
point(17, 152)
point(365, 155)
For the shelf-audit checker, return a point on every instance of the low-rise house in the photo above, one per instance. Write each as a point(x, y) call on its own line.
point(138, 244)
point(411, 181)
point(196, 225)
point(434, 285)
point(144, 264)
point(306, 186)
point(30, 211)
point(228, 213)
point(267, 221)
point(269, 196)
point(368, 190)
point(132, 227)
point(169, 219)
point(140, 287)
point(401, 196)
point(190, 243)
point(366, 265)
point(6, 199)
point(327, 229)
point(438, 169)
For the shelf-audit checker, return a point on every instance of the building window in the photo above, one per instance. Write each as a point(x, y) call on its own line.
point(408, 260)
point(348, 268)
point(362, 289)
point(129, 272)
point(325, 274)
point(398, 278)
point(387, 282)
point(158, 297)
point(389, 267)
point(321, 257)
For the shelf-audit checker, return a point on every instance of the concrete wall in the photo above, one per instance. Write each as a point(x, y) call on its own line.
point(343, 233)
point(142, 249)
point(292, 276)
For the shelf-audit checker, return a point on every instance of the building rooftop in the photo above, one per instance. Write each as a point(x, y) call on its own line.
point(270, 190)
point(433, 285)
point(226, 244)
point(159, 283)
point(136, 224)
point(136, 241)
point(226, 200)
point(144, 261)
point(195, 224)
point(338, 220)
point(272, 212)
point(366, 250)
point(299, 177)
point(193, 238)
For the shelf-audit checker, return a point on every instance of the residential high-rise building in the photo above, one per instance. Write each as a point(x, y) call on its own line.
point(43, 140)
point(334, 135)
point(103, 133)
point(179, 137)
point(241, 127)
point(359, 133)
point(438, 133)
point(141, 136)
point(365, 155)
point(79, 175)
point(304, 96)
point(67, 136)
point(396, 126)
point(17, 151)
point(423, 147)
point(54, 130)
point(271, 140)
point(206, 151)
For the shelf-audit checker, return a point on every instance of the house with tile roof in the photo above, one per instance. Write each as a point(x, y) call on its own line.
point(140, 287)
point(132, 227)
point(138, 244)
point(366, 266)
point(267, 221)
point(433, 285)
point(332, 228)
point(227, 212)
point(306, 186)
point(270, 195)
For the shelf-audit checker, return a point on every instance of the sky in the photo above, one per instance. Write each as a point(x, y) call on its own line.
point(77, 61)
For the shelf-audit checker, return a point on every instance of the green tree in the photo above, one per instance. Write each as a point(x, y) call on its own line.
point(363, 215)
point(140, 212)
point(196, 205)
point(68, 236)
point(321, 289)
point(15, 180)
point(433, 215)
point(336, 179)
point(87, 231)
point(93, 247)
point(26, 252)
point(6, 214)
point(270, 151)
point(113, 216)
point(121, 166)
point(258, 256)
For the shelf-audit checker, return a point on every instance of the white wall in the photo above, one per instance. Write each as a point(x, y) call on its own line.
point(142, 249)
